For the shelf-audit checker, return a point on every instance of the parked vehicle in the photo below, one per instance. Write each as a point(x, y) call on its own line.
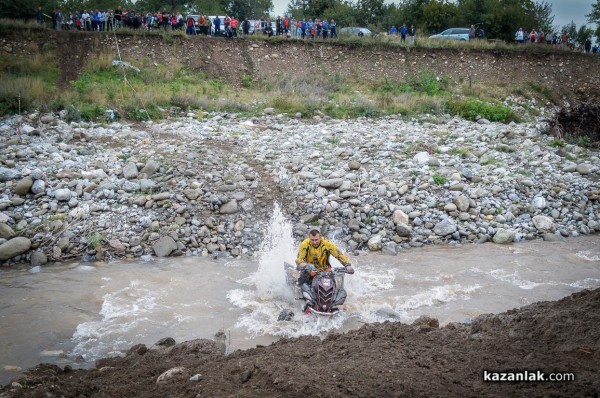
point(355, 31)
point(453, 33)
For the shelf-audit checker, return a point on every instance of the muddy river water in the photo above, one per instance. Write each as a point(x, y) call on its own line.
point(75, 313)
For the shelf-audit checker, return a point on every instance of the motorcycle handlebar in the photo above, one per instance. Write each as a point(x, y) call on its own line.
point(344, 270)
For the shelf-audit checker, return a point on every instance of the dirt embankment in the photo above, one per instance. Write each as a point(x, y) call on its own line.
point(570, 75)
point(389, 359)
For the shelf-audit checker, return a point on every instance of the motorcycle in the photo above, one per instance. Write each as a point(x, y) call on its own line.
point(323, 295)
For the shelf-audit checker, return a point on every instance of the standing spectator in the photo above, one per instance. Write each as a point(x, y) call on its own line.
point(532, 36)
point(540, 37)
point(102, 21)
point(332, 28)
point(472, 32)
point(403, 32)
point(303, 26)
point(190, 26)
point(519, 36)
point(110, 24)
point(587, 47)
point(118, 15)
point(245, 27)
point(325, 26)
point(234, 25)
point(173, 22)
point(39, 16)
point(95, 20)
point(393, 31)
point(207, 25)
point(411, 34)
point(286, 26)
point(85, 17)
point(217, 23)
point(166, 19)
point(58, 17)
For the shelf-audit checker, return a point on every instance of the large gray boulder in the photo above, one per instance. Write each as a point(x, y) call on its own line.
point(130, 171)
point(150, 168)
point(164, 246)
point(543, 223)
point(62, 195)
point(14, 247)
point(230, 207)
point(444, 227)
point(504, 236)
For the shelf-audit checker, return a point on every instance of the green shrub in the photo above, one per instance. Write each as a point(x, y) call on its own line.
point(91, 112)
point(471, 108)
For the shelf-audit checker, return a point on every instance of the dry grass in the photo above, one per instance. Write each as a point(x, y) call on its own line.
point(100, 62)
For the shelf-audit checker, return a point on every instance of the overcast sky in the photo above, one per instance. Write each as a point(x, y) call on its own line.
point(564, 10)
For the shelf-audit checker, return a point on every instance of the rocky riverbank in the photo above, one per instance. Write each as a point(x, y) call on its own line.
point(204, 184)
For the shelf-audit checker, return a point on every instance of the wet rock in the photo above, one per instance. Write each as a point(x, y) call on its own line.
point(504, 236)
point(38, 258)
point(14, 247)
point(166, 341)
point(445, 227)
point(427, 321)
point(164, 246)
point(374, 243)
point(543, 223)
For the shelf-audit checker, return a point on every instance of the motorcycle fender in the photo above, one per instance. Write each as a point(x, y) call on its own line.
point(340, 297)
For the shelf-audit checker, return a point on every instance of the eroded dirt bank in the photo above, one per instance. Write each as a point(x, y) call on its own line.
point(390, 359)
point(567, 74)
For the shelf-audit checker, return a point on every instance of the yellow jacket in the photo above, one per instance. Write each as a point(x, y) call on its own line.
point(319, 256)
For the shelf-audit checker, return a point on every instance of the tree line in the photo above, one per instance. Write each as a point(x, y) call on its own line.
point(499, 18)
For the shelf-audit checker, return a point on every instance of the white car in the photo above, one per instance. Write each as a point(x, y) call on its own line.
point(355, 31)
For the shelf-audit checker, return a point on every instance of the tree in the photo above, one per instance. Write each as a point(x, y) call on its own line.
point(594, 17)
point(571, 29)
point(370, 10)
point(583, 33)
point(439, 15)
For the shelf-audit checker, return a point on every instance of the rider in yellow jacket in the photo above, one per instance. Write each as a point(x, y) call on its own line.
point(316, 250)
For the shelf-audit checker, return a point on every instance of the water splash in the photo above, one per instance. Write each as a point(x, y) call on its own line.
point(276, 247)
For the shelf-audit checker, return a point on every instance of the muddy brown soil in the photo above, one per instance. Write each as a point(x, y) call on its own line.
point(582, 120)
point(378, 360)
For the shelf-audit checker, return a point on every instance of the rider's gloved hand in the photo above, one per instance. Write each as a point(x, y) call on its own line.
point(348, 267)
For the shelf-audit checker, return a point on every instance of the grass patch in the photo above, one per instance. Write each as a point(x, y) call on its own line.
point(439, 179)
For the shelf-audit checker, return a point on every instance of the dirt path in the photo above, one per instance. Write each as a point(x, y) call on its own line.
point(389, 359)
